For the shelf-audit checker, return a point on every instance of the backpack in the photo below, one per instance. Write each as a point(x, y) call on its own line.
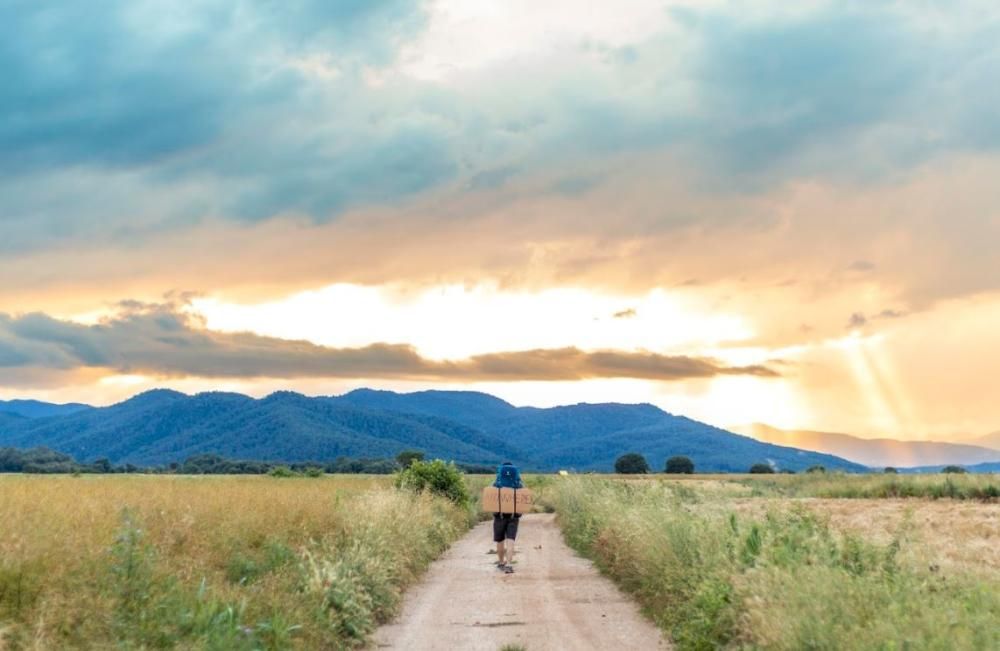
point(508, 477)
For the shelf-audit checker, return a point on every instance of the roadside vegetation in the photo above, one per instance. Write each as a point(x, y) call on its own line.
point(146, 562)
point(958, 486)
point(722, 564)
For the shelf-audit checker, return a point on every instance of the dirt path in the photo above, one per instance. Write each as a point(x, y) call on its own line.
point(555, 600)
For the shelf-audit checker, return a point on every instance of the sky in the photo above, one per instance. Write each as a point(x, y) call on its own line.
point(741, 212)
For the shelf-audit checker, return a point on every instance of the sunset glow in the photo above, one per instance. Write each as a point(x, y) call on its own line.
point(786, 213)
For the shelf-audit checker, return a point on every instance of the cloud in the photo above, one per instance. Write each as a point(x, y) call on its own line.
point(257, 147)
point(258, 110)
point(161, 340)
point(857, 320)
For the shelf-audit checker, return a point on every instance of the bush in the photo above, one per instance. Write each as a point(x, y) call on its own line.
point(632, 463)
point(679, 466)
point(889, 470)
point(437, 477)
point(761, 469)
point(817, 468)
point(282, 471)
point(952, 470)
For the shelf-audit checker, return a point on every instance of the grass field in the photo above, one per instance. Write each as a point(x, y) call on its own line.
point(250, 562)
point(777, 563)
point(209, 562)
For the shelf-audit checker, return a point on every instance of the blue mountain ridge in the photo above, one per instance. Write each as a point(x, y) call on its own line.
point(161, 426)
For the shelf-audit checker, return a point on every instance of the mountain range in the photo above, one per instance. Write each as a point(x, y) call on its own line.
point(878, 452)
point(39, 409)
point(162, 426)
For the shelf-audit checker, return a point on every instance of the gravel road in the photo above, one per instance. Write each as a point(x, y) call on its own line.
point(554, 600)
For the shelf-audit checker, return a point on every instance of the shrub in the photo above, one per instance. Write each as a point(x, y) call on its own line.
point(816, 468)
point(282, 471)
point(889, 470)
point(679, 466)
point(954, 470)
point(761, 469)
point(632, 463)
point(437, 477)
point(314, 471)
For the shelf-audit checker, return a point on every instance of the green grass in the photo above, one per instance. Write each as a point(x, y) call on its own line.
point(785, 580)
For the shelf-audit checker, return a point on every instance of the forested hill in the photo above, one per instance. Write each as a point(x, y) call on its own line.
point(161, 426)
point(38, 409)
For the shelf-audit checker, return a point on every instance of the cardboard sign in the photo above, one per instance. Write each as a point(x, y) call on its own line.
point(507, 500)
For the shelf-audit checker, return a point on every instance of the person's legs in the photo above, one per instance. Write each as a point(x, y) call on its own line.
point(499, 534)
point(510, 533)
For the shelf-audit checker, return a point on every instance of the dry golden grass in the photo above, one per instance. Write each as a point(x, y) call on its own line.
point(237, 540)
point(962, 536)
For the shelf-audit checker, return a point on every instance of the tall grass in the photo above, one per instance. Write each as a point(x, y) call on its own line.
point(209, 562)
point(786, 580)
point(981, 487)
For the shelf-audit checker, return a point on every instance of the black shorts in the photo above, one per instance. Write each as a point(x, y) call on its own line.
point(504, 526)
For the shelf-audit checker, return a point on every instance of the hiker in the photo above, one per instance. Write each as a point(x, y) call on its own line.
point(505, 524)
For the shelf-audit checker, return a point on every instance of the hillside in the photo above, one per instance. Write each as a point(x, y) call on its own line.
point(592, 436)
point(876, 453)
point(39, 409)
point(989, 441)
point(162, 426)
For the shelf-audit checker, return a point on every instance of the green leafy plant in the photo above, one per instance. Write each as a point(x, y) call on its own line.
point(436, 477)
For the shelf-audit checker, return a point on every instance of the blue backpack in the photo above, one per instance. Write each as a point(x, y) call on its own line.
point(508, 477)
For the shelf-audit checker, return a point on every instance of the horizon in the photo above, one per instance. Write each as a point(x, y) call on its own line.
point(778, 214)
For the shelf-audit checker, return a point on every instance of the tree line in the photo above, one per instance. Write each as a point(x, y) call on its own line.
point(633, 463)
point(41, 460)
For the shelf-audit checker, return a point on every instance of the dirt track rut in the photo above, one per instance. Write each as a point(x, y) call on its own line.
point(555, 600)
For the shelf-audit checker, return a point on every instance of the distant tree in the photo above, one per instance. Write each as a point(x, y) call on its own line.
point(954, 470)
point(102, 465)
point(407, 457)
point(679, 465)
point(631, 463)
point(761, 469)
point(816, 468)
point(889, 470)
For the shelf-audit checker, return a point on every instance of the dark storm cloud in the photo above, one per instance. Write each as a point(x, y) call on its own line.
point(160, 340)
point(217, 94)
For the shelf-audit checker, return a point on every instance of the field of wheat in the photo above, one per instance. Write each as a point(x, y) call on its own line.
point(762, 563)
point(209, 562)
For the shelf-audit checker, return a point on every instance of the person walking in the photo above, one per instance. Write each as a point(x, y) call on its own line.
point(505, 524)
